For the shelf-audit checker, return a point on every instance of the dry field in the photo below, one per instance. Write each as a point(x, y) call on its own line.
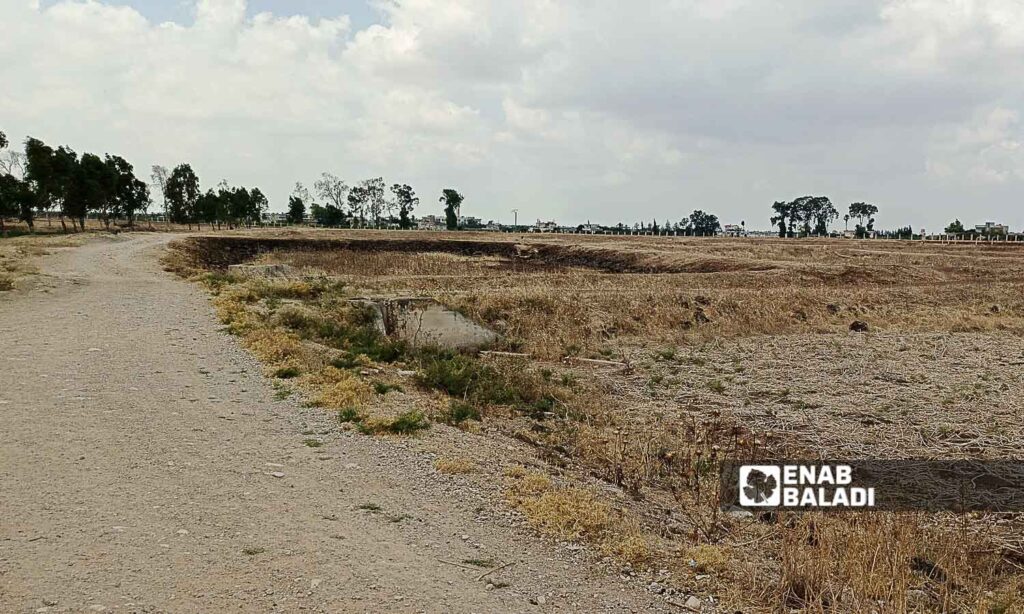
point(633, 365)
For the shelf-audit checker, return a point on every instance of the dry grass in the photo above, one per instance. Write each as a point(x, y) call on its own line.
point(454, 465)
point(569, 513)
point(733, 349)
point(339, 388)
point(730, 289)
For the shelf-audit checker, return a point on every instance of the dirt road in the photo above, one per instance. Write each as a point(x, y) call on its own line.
point(146, 466)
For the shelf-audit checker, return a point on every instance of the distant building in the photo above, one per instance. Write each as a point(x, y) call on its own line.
point(733, 230)
point(992, 228)
point(431, 222)
point(540, 226)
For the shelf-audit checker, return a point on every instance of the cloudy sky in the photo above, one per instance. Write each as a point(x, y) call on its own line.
point(565, 109)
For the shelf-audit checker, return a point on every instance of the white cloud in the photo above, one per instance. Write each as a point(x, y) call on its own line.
point(571, 108)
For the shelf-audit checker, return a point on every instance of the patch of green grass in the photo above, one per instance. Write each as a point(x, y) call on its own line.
point(460, 411)
point(313, 443)
point(717, 386)
point(465, 377)
point(407, 423)
point(384, 388)
point(253, 550)
point(667, 354)
point(369, 507)
point(349, 414)
point(287, 372)
point(281, 394)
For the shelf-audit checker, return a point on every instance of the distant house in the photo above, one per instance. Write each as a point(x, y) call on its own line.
point(431, 222)
point(992, 229)
point(540, 226)
point(733, 230)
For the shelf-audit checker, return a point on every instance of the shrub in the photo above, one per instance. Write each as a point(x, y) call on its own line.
point(464, 377)
point(287, 372)
point(404, 424)
point(339, 388)
point(273, 346)
point(384, 387)
point(349, 414)
point(460, 411)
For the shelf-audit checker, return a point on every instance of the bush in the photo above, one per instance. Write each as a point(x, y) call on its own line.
point(465, 377)
point(349, 414)
point(404, 424)
point(287, 372)
point(460, 411)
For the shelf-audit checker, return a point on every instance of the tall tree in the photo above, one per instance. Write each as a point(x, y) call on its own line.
point(160, 175)
point(823, 213)
point(120, 188)
point(134, 199)
point(358, 200)
point(452, 207)
point(334, 193)
point(182, 194)
point(89, 188)
point(16, 200)
point(297, 204)
point(863, 211)
point(376, 203)
point(40, 175)
point(783, 212)
point(955, 228)
point(406, 200)
point(704, 224)
point(258, 206)
point(296, 210)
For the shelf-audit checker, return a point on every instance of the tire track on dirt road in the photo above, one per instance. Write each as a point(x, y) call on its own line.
point(138, 447)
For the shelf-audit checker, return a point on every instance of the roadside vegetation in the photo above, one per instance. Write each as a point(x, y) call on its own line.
point(625, 391)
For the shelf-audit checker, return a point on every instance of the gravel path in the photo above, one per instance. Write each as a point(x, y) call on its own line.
point(145, 466)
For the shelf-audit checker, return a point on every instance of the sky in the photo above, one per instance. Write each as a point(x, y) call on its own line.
point(572, 110)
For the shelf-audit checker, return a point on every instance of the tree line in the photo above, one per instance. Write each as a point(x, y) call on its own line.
point(334, 203)
point(185, 203)
point(47, 180)
point(44, 179)
point(811, 215)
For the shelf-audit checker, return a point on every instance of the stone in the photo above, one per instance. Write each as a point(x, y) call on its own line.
point(266, 271)
point(859, 326)
point(693, 603)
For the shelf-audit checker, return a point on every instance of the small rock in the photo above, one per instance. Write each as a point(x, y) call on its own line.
point(277, 474)
point(541, 600)
point(859, 326)
point(182, 532)
point(489, 586)
point(833, 308)
point(693, 603)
